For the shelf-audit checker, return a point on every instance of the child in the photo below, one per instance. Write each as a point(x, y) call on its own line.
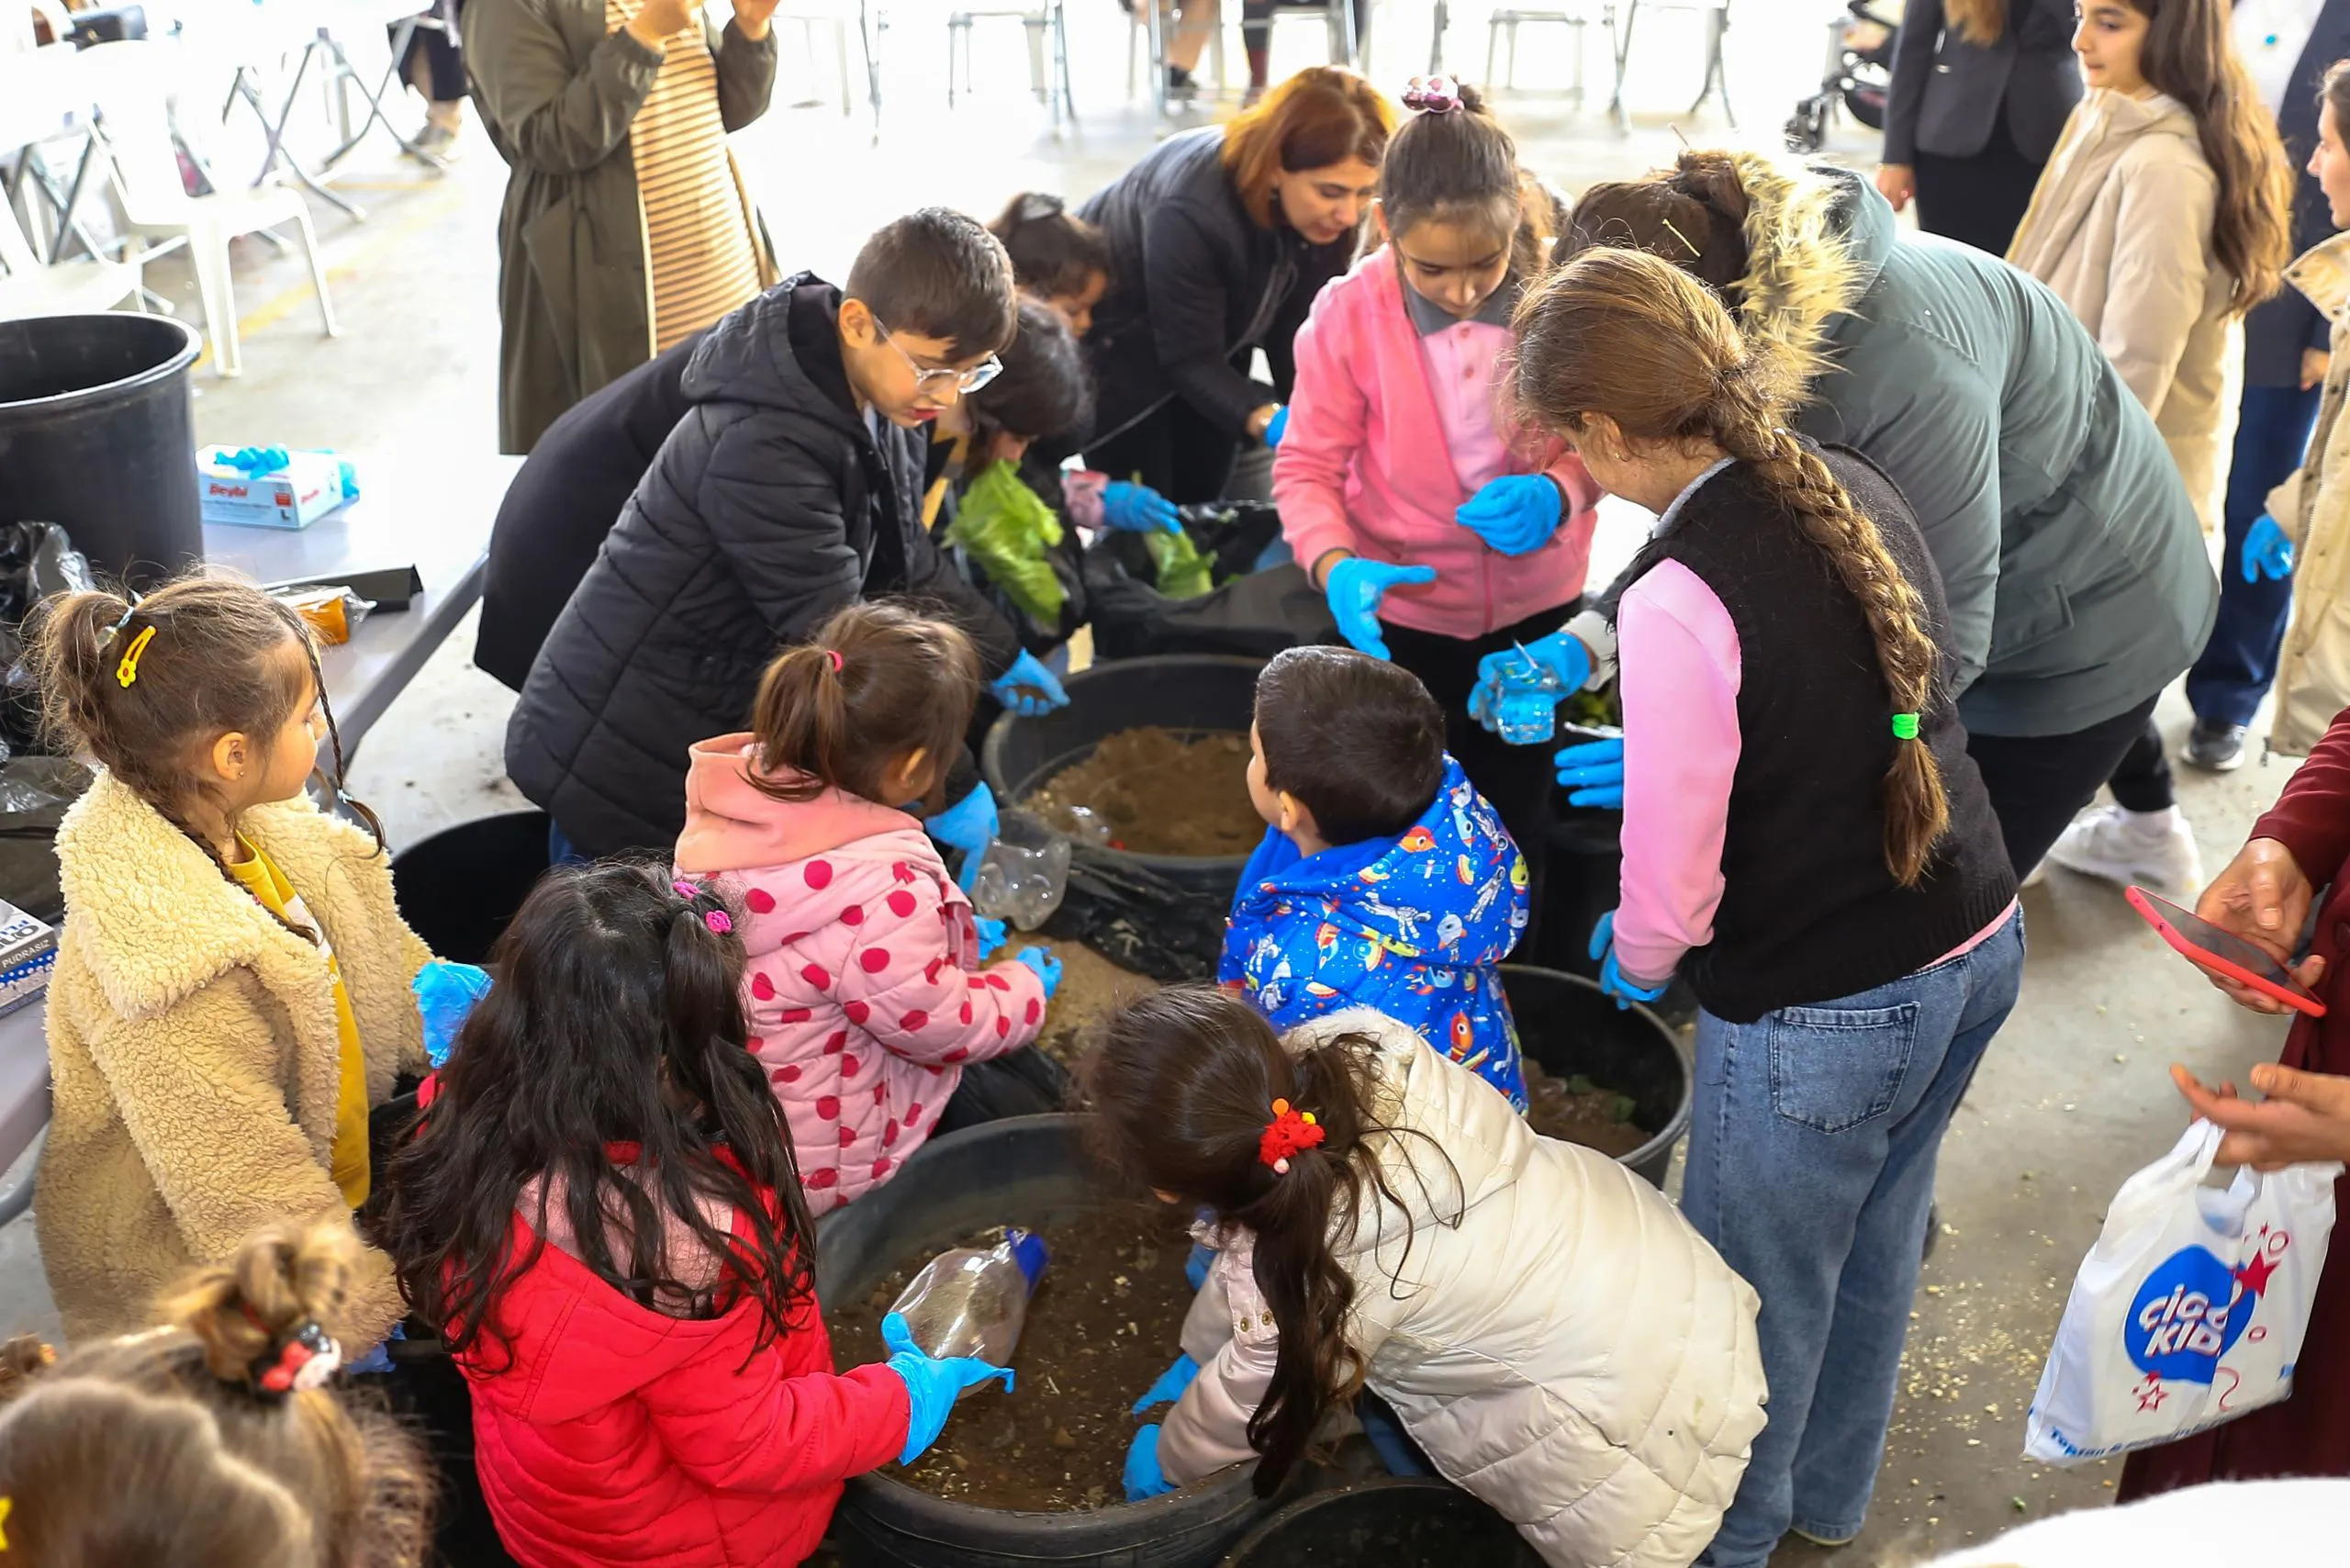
point(1805, 840)
point(792, 488)
point(2164, 215)
point(1384, 879)
point(1056, 257)
point(232, 993)
point(867, 1009)
point(1441, 531)
point(1547, 1328)
point(599, 1211)
point(214, 1438)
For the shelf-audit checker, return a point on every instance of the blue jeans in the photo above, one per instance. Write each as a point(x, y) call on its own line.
point(2230, 677)
point(560, 851)
point(1811, 1168)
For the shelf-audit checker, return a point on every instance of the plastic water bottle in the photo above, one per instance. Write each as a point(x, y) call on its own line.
point(972, 1301)
point(1024, 873)
point(1526, 711)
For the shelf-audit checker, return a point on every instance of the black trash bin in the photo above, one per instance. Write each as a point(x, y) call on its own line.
point(1570, 1025)
point(96, 433)
point(459, 888)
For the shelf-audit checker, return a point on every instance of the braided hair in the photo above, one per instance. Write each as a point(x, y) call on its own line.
point(1630, 337)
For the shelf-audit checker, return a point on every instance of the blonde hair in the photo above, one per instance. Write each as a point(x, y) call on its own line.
point(1631, 336)
point(158, 1450)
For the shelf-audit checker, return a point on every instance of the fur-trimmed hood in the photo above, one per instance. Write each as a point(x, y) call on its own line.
point(1816, 238)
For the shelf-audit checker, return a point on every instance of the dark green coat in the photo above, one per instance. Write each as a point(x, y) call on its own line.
point(559, 91)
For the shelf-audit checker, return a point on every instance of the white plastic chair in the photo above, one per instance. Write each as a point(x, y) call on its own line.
point(131, 88)
point(69, 288)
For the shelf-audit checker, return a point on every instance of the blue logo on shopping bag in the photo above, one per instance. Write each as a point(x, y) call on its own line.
point(2191, 1311)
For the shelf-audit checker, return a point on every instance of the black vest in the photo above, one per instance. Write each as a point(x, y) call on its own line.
point(1809, 912)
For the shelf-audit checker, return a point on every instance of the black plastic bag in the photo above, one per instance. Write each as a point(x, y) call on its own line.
point(34, 794)
point(37, 559)
point(1139, 920)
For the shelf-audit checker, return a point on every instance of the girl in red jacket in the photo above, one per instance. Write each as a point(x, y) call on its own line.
point(599, 1210)
point(1440, 532)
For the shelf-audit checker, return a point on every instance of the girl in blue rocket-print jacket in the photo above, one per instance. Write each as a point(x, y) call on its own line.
point(1384, 879)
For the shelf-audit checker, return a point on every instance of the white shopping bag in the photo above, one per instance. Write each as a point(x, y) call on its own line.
point(2189, 1309)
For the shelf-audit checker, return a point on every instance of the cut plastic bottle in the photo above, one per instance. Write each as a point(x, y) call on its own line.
point(972, 1301)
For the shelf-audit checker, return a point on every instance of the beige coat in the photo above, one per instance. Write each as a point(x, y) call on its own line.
point(192, 1047)
point(1571, 1351)
point(2120, 227)
point(2314, 508)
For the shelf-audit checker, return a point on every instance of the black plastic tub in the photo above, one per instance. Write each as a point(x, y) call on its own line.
point(1027, 1171)
point(1387, 1524)
point(1189, 693)
point(1570, 1025)
point(459, 888)
point(96, 433)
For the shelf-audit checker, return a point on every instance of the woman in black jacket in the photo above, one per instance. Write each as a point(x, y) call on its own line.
point(1981, 89)
point(1222, 237)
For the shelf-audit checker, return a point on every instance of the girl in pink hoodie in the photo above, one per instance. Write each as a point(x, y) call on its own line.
point(1441, 531)
point(865, 1000)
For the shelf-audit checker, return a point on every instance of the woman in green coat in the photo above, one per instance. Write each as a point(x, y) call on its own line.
point(626, 227)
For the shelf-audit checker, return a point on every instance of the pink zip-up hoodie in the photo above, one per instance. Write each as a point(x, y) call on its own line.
point(862, 993)
point(1366, 465)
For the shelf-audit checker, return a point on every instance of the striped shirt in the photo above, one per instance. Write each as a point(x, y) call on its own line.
point(698, 231)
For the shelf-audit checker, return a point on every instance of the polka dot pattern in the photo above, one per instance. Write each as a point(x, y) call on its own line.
point(759, 901)
point(873, 960)
point(902, 903)
point(762, 986)
point(818, 874)
point(829, 1107)
point(817, 976)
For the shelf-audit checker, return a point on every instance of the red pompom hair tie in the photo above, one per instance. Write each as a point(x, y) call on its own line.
point(1290, 1132)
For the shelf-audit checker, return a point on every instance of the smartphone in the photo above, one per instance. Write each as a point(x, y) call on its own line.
point(2223, 952)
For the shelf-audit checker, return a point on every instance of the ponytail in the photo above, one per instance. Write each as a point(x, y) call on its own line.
point(877, 683)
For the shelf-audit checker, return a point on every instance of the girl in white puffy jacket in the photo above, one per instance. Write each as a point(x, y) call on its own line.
point(1547, 1327)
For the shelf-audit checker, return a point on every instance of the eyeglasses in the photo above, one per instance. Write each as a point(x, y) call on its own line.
point(925, 376)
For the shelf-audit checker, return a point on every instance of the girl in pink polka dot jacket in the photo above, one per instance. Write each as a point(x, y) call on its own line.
point(865, 1000)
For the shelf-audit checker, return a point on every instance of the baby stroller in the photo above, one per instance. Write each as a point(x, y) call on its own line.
point(1860, 70)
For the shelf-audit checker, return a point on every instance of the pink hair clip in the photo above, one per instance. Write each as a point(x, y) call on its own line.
point(686, 890)
point(834, 654)
point(1433, 95)
point(719, 921)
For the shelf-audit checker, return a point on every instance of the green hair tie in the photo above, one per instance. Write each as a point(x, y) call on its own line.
point(1905, 726)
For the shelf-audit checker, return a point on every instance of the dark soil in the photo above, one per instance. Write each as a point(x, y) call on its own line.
point(1578, 1111)
point(1162, 792)
point(1091, 986)
point(1105, 1321)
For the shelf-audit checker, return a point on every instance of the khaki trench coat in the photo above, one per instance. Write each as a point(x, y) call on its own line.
point(574, 293)
point(2314, 508)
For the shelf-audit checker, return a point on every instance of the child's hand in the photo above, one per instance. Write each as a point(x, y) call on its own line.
point(1138, 508)
point(1515, 514)
point(1028, 689)
point(1048, 967)
point(1613, 980)
point(1144, 1478)
point(992, 935)
point(1355, 587)
point(1170, 1385)
point(931, 1384)
point(970, 825)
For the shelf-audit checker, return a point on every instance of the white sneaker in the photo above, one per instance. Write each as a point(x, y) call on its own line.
point(2156, 848)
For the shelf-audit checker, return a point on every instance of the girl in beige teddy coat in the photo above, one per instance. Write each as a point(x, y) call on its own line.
point(232, 985)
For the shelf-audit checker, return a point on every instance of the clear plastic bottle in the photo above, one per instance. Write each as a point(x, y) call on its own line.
point(1526, 713)
point(1024, 873)
point(972, 1301)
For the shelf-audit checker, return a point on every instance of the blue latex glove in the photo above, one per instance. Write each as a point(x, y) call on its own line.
point(931, 1384)
point(1170, 1386)
point(1145, 1480)
point(1048, 967)
point(992, 935)
point(1354, 589)
point(1515, 514)
point(1611, 979)
point(1278, 426)
point(1028, 689)
point(1138, 508)
point(256, 460)
point(445, 994)
point(1562, 652)
point(2267, 551)
point(1592, 773)
point(377, 1362)
point(970, 825)
point(1196, 1266)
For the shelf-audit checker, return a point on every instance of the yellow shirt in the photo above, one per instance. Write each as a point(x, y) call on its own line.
point(261, 879)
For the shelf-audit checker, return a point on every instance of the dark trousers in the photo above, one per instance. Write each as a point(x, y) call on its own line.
point(1517, 779)
point(1027, 1082)
point(433, 63)
point(2141, 781)
point(1977, 201)
point(2038, 783)
point(2227, 683)
point(1174, 450)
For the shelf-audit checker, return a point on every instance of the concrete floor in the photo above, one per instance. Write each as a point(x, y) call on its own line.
point(2072, 1097)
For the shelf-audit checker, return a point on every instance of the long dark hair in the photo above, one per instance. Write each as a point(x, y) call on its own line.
point(2189, 55)
point(1054, 253)
point(615, 1021)
point(1183, 1082)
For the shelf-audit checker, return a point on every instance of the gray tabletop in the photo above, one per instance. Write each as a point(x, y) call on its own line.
point(434, 516)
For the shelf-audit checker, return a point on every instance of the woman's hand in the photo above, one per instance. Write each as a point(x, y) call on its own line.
point(2305, 1117)
point(657, 21)
point(2264, 898)
point(753, 17)
point(1897, 182)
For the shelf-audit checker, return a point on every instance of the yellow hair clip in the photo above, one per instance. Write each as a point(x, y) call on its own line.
point(128, 671)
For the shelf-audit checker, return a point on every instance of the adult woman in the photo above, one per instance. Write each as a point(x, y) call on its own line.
point(625, 227)
point(2264, 896)
point(1806, 841)
point(1980, 89)
point(2163, 218)
point(2076, 577)
point(1222, 237)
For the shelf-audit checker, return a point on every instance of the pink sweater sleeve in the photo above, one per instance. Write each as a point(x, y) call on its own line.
point(1328, 422)
point(1680, 670)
